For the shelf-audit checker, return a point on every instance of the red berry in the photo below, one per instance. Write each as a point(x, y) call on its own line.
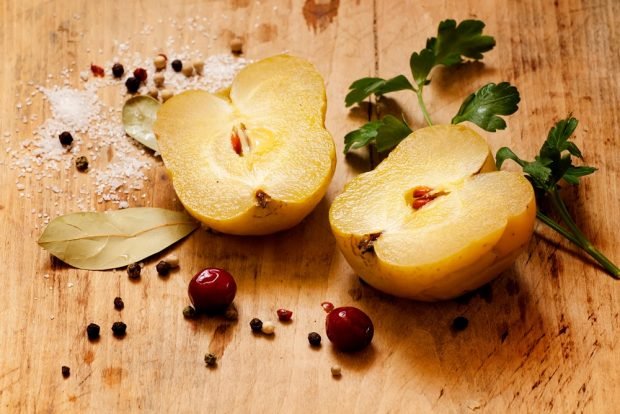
point(212, 290)
point(140, 73)
point(349, 328)
point(284, 315)
point(327, 306)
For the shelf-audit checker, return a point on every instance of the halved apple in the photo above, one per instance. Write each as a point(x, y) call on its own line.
point(255, 158)
point(434, 220)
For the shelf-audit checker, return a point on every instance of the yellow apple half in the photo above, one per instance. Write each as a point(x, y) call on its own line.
point(477, 223)
point(255, 158)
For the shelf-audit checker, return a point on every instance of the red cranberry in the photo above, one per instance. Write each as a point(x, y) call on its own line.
point(212, 290)
point(140, 73)
point(284, 315)
point(349, 328)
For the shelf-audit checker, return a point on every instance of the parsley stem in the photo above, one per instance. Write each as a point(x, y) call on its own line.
point(579, 238)
point(555, 226)
point(423, 106)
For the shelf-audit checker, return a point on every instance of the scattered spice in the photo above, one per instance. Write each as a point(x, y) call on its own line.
point(189, 312)
point(141, 74)
point(268, 328)
point(314, 339)
point(327, 306)
point(118, 303)
point(256, 325)
point(172, 260)
point(177, 65)
point(92, 330)
point(199, 66)
point(118, 70)
point(284, 315)
point(231, 313)
point(236, 45)
point(153, 93)
point(158, 79)
point(188, 70)
point(81, 163)
point(460, 323)
point(133, 84)
point(66, 371)
point(133, 271)
point(166, 94)
point(119, 329)
point(336, 371)
point(163, 268)
point(97, 71)
point(65, 138)
point(160, 61)
point(210, 359)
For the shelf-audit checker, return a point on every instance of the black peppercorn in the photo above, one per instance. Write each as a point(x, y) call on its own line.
point(119, 329)
point(210, 360)
point(256, 325)
point(460, 323)
point(81, 163)
point(118, 70)
point(163, 268)
point(133, 84)
point(177, 65)
point(189, 312)
point(118, 303)
point(66, 371)
point(314, 339)
point(133, 271)
point(65, 138)
point(92, 330)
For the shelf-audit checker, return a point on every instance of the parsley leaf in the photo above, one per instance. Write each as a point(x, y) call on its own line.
point(483, 107)
point(363, 88)
point(455, 42)
point(386, 133)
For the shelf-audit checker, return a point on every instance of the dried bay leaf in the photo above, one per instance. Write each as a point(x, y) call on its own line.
point(139, 114)
point(112, 239)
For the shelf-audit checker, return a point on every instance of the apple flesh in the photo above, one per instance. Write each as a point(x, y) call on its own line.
point(255, 158)
point(472, 224)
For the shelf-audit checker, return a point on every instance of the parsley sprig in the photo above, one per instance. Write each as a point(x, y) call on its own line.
point(553, 164)
point(453, 45)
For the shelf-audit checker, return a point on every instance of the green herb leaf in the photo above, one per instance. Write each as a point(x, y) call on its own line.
point(385, 133)
point(573, 174)
point(483, 107)
point(108, 240)
point(363, 88)
point(454, 43)
point(421, 65)
point(139, 114)
point(558, 140)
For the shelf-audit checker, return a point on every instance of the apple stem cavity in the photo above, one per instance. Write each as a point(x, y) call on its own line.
point(366, 245)
point(262, 198)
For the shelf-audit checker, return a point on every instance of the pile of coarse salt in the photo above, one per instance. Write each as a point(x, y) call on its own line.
point(118, 165)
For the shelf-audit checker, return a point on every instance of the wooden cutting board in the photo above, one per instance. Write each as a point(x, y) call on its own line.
point(541, 338)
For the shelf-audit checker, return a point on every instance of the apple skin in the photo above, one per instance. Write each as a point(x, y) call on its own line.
point(476, 264)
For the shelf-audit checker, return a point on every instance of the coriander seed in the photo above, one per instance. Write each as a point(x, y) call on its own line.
point(81, 163)
point(158, 79)
point(160, 62)
point(177, 65)
point(163, 268)
point(236, 45)
point(314, 339)
point(336, 371)
point(199, 66)
point(210, 359)
point(66, 371)
point(188, 71)
point(268, 328)
point(133, 271)
point(119, 329)
point(118, 70)
point(92, 330)
point(133, 84)
point(172, 260)
point(118, 303)
point(65, 138)
point(153, 93)
point(189, 312)
point(256, 325)
point(166, 94)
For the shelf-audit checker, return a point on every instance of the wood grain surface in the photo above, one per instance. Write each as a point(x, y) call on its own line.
point(543, 337)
